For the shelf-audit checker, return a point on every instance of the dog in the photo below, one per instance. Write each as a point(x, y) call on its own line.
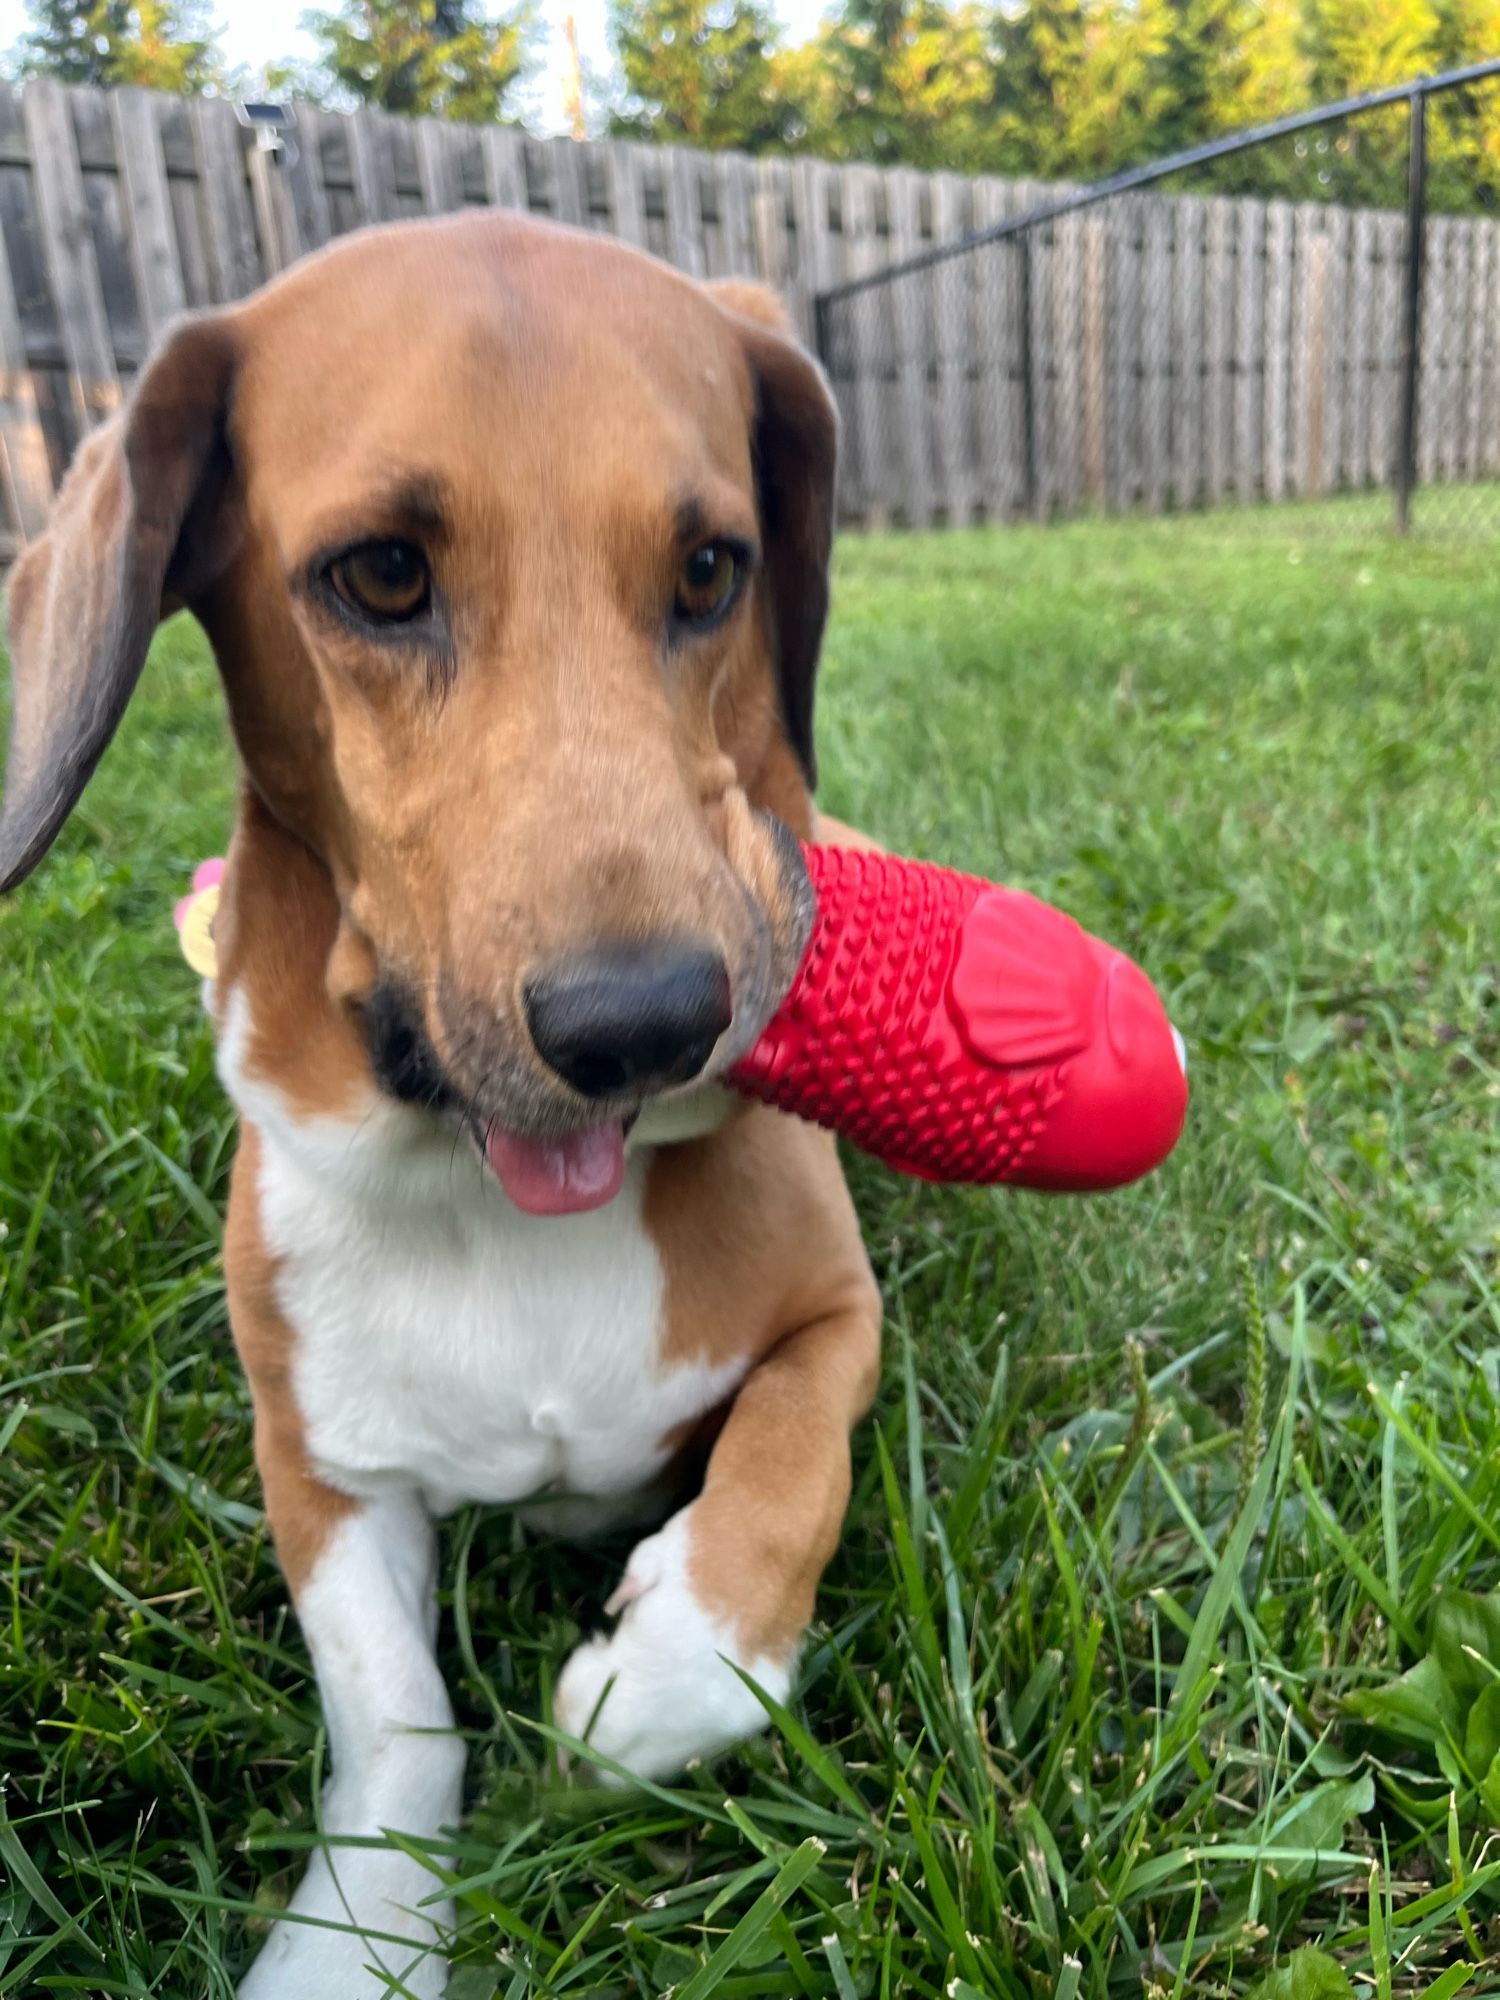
point(512, 547)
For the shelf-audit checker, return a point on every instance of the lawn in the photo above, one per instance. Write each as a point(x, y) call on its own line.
point(1162, 1641)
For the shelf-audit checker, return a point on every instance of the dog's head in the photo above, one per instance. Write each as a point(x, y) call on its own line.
point(512, 546)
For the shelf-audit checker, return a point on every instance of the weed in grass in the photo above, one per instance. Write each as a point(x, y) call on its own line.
point(1164, 1639)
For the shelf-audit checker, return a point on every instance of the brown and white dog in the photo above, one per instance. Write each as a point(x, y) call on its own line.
point(512, 547)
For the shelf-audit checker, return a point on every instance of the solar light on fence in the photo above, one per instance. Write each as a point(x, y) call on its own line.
point(267, 121)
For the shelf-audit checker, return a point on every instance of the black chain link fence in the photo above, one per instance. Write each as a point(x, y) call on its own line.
point(1306, 315)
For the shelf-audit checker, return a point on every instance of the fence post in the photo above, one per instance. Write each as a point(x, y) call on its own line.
point(1411, 322)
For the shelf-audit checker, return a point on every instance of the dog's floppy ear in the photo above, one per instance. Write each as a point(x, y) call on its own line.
point(796, 453)
point(125, 534)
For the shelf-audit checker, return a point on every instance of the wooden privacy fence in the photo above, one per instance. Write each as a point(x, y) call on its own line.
point(1160, 351)
point(1155, 352)
point(118, 209)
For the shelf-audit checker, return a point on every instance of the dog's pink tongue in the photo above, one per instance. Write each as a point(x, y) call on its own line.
point(559, 1176)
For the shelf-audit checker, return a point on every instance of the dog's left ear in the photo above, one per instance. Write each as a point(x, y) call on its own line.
point(796, 456)
point(129, 535)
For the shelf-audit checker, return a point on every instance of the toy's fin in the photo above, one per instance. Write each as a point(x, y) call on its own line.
point(1025, 985)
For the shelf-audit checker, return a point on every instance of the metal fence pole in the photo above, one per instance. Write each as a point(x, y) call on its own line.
point(822, 333)
point(1411, 325)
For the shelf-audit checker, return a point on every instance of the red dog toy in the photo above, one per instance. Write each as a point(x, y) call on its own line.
point(962, 1032)
point(955, 1030)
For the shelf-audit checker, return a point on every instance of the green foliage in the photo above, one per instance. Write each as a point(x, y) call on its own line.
point(699, 73)
point(1141, 1658)
point(1046, 89)
point(161, 44)
point(446, 58)
point(1448, 1704)
point(1307, 1975)
point(1071, 89)
point(896, 81)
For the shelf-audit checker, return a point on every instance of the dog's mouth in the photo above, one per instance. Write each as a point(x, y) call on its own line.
point(570, 1172)
point(547, 1159)
point(551, 1150)
point(567, 1173)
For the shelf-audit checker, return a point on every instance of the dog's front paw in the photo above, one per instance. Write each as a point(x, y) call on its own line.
point(660, 1691)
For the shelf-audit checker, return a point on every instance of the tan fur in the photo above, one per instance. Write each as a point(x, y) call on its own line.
point(834, 833)
point(277, 935)
point(543, 412)
point(761, 1247)
point(421, 805)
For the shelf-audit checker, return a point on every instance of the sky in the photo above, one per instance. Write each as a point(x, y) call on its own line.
point(255, 32)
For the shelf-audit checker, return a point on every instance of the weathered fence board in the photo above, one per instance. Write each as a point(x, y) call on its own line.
point(1128, 237)
point(999, 392)
point(1391, 236)
point(1367, 339)
point(1249, 450)
point(229, 226)
point(1489, 446)
point(1187, 352)
point(23, 445)
point(870, 492)
point(1219, 287)
point(69, 254)
point(158, 261)
point(1095, 360)
point(911, 301)
point(1065, 383)
point(953, 344)
point(1156, 354)
point(1308, 344)
point(1279, 339)
point(1432, 380)
point(1158, 351)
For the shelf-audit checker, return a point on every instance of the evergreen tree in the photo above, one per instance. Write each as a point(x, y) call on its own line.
point(1040, 111)
point(895, 80)
point(421, 57)
point(1273, 75)
point(699, 73)
point(162, 44)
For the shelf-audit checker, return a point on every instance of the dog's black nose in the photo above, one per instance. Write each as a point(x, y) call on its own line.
point(635, 1017)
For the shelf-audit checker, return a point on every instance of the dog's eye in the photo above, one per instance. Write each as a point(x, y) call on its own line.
point(706, 582)
point(388, 581)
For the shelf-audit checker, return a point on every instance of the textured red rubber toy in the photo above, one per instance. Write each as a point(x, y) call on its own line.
point(963, 1032)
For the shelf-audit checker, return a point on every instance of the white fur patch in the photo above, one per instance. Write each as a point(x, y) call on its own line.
point(368, 1613)
point(449, 1348)
point(445, 1340)
point(663, 1676)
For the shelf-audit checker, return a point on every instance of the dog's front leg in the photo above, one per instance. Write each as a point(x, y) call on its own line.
point(366, 1605)
point(730, 1580)
point(362, 1573)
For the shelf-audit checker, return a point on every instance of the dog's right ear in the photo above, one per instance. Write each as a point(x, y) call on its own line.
point(131, 529)
point(796, 450)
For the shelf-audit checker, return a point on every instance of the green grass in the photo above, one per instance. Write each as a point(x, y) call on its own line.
point(1161, 1641)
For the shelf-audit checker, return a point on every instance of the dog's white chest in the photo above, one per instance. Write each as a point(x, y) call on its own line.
point(445, 1340)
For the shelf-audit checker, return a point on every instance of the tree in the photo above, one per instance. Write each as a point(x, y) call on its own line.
point(1040, 88)
point(1274, 74)
point(894, 80)
point(439, 57)
point(700, 73)
point(162, 44)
